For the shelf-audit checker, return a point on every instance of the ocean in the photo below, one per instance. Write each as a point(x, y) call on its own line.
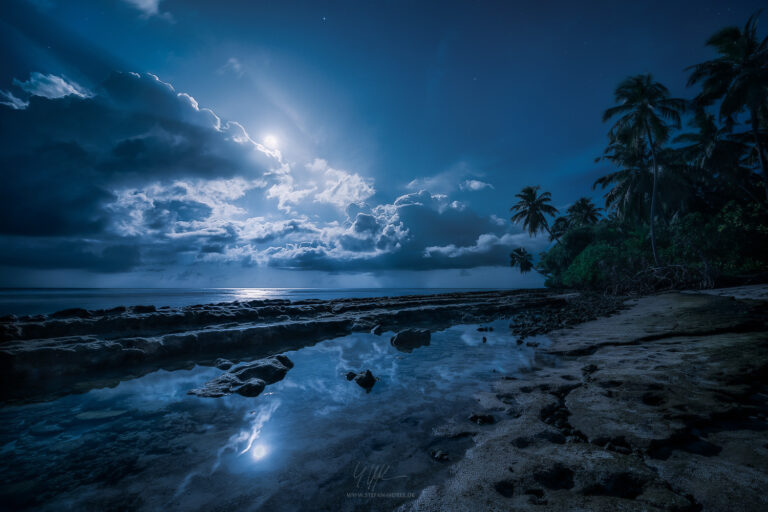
point(34, 301)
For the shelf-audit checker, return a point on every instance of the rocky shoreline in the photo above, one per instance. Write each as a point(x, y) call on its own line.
point(45, 356)
point(662, 407)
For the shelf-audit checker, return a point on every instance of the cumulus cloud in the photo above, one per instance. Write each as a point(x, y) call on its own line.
point(341, 188)
point(150, 179)
point(474, 185)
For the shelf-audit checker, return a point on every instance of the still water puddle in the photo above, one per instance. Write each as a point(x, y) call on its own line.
point(311, 441)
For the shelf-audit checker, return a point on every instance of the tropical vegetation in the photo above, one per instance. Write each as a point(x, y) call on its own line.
point(686, 203)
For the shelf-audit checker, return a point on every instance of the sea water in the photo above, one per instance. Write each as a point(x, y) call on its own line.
point(313, 441)
point(33, 301)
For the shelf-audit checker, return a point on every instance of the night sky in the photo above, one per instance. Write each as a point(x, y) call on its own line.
point(309, 144)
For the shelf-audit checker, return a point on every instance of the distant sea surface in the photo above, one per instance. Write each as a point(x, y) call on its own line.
point(33, 301)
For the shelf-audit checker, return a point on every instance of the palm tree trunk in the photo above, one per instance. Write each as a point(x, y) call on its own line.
point(759, 148)
point(557, 239)
point(653, 196)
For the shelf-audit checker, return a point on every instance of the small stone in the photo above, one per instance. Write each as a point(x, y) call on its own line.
point(482, 419)
point(365, 380)
point(440, 455)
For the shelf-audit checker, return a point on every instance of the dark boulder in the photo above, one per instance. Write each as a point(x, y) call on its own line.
point(72, 313)
point(247, 379)
point(365, 379)
point(409, 339)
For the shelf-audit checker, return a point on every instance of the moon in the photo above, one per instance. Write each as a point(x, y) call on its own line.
point(270, 141)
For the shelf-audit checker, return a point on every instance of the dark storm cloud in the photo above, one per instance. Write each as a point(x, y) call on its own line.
point(65, 151)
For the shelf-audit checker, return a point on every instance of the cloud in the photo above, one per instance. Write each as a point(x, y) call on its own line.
point(149, 180)
point(140, 160)
point(474, 185)
point(341, 188)
point(409, 233)
point(51, 86)
point(149, 8)
point(8, 99)
point(232, 65)
point(445, 182)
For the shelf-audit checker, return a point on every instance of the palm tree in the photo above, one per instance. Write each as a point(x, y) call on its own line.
point(558, 228)
point(583, 212)
point(714, 153)
point(522, 259)
point(631, 184)
point(738, 77)
point(646, 112)
point(532, 209)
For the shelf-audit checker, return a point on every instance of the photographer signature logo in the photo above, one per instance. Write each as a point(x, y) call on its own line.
point(368, 476)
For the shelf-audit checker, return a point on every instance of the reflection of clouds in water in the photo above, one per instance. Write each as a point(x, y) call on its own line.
point(241, 443)
point(156, 390)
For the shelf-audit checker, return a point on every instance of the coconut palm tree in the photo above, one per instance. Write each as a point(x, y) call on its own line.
point(739, 78)
point(630, 186)
point(522, 259)
point(583, 212)
point(715, 156)
point(558, 228)
point(532, 209)
point(646, 113)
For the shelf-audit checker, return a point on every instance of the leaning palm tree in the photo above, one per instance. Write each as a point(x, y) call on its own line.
point(739, 78)
point(646, 114)
point(583, 212)
point(522, 259)
point(532, 209)
point(558, 228)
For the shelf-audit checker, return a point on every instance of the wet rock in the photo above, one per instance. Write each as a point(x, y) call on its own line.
point(143, 309)
point(377, 330)
point(440, 456)
point(482, 419)
point(223, 364)
point(365, 379)
point(252, 387)
point(247, 379)
point(72, 313)
point(409, 339)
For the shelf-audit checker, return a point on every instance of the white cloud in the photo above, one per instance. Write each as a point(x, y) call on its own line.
point(8, 99)
point(51, 86)
point(474, 185)
point(287, 193)
point(232, 65)
point(149, 8)
point(317, 165)
point(485, 243)
point(341, 188)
